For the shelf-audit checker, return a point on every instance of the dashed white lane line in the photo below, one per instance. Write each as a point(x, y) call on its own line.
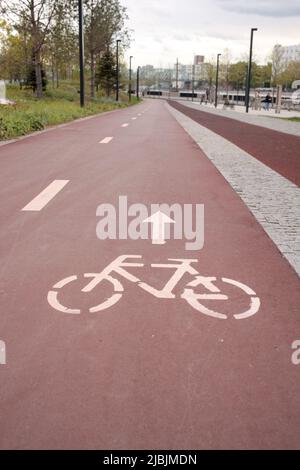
point(134, 118)
point(45, 196)
point(106, 140)
point(125, 125)
point(139, 114)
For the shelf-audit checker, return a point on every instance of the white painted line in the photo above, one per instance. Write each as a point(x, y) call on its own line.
point(2, 352)
point(139, 114)
point(133, 118)
point(125, 125)
point(106, 140)
point(45, 196)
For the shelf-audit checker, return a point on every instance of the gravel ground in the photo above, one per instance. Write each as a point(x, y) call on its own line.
point(272, 199)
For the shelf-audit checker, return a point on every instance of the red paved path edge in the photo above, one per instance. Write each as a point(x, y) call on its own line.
point(147, 373)
point(277, 150)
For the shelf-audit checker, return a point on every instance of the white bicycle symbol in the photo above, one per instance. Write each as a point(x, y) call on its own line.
point(181, 266)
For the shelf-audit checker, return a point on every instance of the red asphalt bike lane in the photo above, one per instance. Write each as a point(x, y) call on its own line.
point(277, 150)
point(146, 373)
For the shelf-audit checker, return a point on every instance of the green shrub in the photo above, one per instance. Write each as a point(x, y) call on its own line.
point(3, 129)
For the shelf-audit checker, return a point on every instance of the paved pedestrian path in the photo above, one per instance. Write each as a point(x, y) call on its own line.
point(273, 199)
point(269, 121)
point(278, 150)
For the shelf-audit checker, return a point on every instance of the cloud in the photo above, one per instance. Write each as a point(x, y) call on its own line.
point(158, 39)
point(182, 37)
point(228, 35)
point(267, 8)
point(165, 30)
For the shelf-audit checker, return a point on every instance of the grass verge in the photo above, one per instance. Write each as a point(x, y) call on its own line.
point(294, 119)
point(57, 106)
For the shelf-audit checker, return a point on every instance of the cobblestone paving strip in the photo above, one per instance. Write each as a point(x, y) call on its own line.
point(278, 150)
point(272, 199)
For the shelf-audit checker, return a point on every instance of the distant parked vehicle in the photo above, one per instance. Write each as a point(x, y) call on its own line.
point(188, 94)
point(154, 92)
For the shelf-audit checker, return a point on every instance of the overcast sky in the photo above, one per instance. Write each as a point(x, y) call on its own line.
point(167, 29)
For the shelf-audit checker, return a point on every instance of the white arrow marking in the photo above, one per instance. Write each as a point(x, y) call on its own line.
point(158, 221)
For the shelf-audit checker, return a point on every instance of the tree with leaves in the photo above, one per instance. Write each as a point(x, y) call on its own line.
point(30, 79)
point(104, 23)
point(277, 64)
point(106, 72)
point(290, 74)
point(13, 53)
point(210, 76)
point(36, 18)
point(62, 43)
point(265, 74)
point(225, 68)
point(237, 74)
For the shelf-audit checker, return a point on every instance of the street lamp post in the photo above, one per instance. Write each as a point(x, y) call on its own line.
point(81, 53)
point(249, 71)
point(193, 82)
point(129, 88)
point(177, 75)
point(138, 82)
point(217, 80)
point(117, 71)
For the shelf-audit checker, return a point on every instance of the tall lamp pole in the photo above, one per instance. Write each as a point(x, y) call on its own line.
point(249, 71)
point(193, 82)
point(177, 74)
point(138, 82)
point(81, 53)
point(217, 80)
point(129, 88)
point(117, 71)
